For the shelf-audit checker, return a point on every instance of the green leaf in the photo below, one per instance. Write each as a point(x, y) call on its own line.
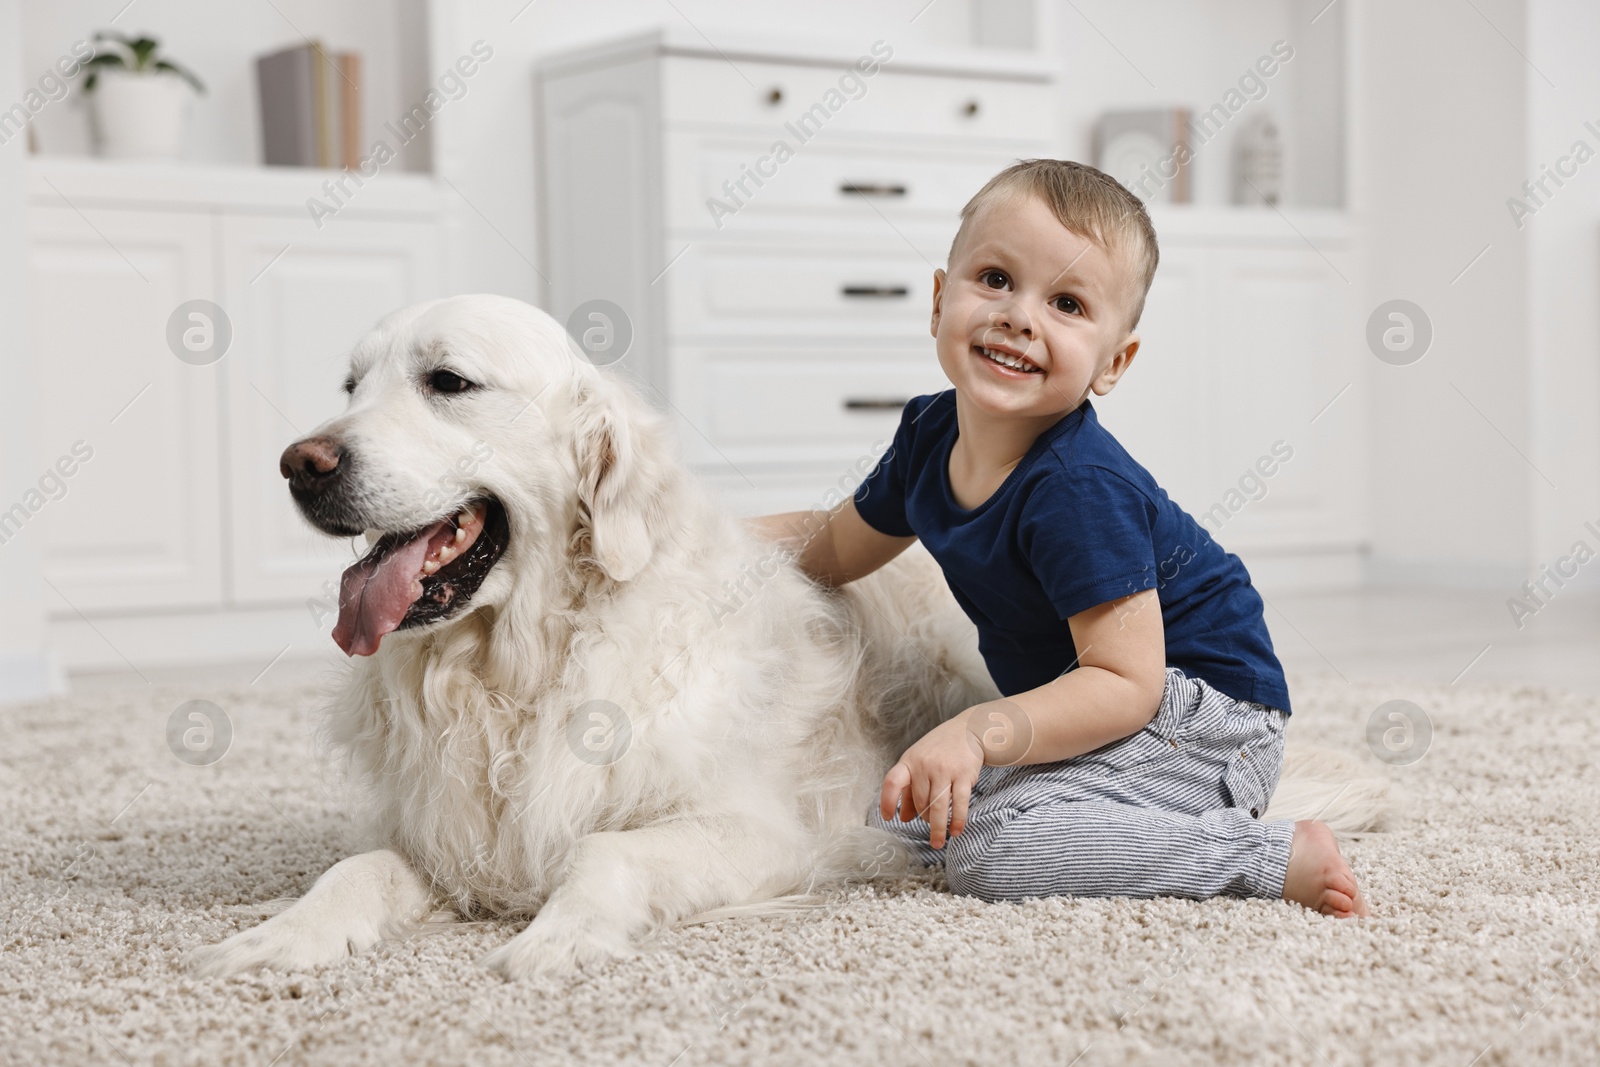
point(104, 59)
point(142, 49)
point(142, 53)
point(182, 73)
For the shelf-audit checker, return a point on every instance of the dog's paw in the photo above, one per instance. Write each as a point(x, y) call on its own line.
point(556, 948)
point(275, 944)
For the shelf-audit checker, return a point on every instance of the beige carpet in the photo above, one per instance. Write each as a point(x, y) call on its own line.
point(1482, 947)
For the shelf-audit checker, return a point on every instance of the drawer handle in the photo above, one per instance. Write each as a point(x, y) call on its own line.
point(970, 109)
point(880, 292)
point(875, 403)
point(873, 188)
point(775, 96)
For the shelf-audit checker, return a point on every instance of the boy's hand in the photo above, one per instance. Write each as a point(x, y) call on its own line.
point(934, 779)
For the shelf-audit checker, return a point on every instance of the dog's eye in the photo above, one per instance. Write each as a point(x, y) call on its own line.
point(349, 385)
point(445, 381)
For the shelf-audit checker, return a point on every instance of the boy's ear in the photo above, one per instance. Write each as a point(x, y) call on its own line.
point(1107, 378)
point(938, 293)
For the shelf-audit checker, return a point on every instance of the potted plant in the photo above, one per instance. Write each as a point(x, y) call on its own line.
point(137, 98)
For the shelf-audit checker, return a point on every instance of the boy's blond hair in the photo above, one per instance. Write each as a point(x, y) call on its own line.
point(1087, 201)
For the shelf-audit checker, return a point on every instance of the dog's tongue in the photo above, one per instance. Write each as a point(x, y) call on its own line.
point(377, 590)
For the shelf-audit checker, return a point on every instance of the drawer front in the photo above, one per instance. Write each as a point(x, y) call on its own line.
point(797, 405)
point(720, 290)
point(731, 183)
point(798, 103)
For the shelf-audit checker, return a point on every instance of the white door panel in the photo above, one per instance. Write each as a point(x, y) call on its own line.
point(138, 524)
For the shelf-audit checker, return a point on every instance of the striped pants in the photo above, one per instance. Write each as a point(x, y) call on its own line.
point(1172, 810)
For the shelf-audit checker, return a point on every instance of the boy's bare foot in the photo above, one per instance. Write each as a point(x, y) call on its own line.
point(1318, 876)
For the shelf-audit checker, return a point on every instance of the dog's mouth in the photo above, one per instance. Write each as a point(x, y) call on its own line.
point(421, 576)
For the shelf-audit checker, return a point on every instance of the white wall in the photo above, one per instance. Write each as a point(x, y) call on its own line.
point(24, 670)
point(1563, 250)
point(1441, 106)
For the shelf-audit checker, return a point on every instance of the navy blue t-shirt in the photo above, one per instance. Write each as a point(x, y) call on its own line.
point(1076, 523)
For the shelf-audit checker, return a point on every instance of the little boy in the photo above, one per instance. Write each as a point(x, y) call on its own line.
point(1140, 733)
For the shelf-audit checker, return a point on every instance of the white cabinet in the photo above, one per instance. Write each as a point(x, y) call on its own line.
point(1246, 357)
point(797, 405)
point(745, 290)
point(181, 512)
point(769, 219)
point(139, 523)
point(1164, 397)
point(830, 181)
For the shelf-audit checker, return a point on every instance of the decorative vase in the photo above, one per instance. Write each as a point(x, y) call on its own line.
point(139, 115)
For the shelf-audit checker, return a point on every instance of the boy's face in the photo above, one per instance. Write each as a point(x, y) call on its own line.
point(1020, 284)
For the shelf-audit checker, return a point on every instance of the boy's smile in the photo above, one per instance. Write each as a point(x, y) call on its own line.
point(1030, 316)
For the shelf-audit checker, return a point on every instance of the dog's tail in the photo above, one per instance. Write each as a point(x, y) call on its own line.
point(1331, 785)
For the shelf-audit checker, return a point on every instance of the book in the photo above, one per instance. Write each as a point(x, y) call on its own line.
point(310, 107)
point(288, 130)
point(350, 108)
point(321, 111)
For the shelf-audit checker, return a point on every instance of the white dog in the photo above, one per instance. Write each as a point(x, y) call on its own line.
point(586, 693)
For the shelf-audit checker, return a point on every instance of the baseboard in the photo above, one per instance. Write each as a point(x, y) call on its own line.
point(1437, 574)
point(178, 639)
point(30, 676)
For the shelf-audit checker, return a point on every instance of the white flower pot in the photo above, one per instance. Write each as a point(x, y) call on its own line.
point(139, 116)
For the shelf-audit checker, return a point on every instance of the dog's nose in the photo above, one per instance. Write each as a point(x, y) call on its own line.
point(306, 463)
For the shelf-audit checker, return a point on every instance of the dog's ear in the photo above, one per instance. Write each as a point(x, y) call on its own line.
point(619, 480)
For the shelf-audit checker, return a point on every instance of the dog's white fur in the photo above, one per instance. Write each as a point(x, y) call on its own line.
point(760, 710)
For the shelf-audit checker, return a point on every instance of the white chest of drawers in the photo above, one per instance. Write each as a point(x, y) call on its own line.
point(769, 219)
